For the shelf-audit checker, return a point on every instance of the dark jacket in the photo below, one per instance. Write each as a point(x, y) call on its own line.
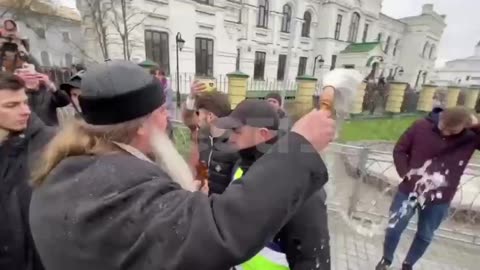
point(17, 154)
point(450, 155)
point(45, 103)
point(220, 159)
point(116, 211)
point(305, 238)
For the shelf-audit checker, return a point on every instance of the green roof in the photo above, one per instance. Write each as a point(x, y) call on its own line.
point(360, 47)
point(148, 64)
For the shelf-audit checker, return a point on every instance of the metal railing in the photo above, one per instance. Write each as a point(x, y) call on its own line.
point(363, 180)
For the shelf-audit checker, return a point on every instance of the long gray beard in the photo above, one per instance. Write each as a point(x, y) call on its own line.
point(168, 158)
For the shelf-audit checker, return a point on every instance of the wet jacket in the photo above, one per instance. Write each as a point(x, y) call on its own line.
point(45, 103)
point(220, 159)
point(305, 237)
point(450, 155)
point(17, 153)
point(116, 211)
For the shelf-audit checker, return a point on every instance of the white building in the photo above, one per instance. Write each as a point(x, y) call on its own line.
point(278, 39)
point(54, 32)
point(464, 72)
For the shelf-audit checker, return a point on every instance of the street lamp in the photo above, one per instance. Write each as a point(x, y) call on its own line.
point(180, 43)
point(320, 63)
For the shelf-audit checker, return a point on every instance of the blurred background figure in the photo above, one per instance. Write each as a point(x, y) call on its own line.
point(73, 90)
point(22, 136)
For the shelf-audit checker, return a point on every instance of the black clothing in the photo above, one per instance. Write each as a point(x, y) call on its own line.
point(44, 104)
point(17, 153)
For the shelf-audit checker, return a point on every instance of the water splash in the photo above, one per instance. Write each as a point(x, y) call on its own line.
point(427, 183)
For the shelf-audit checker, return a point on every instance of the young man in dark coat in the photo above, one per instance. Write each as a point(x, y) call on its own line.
point(431, 157)
point(22, 136)
point(303, 242)
point(101, 202)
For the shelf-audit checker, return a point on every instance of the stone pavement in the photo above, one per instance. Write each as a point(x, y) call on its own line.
point(352, 251)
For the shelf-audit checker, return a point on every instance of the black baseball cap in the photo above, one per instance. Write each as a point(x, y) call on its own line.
point(74, 82)
point(250, 112)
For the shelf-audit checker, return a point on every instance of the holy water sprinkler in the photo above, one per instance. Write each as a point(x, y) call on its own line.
point(339, 91)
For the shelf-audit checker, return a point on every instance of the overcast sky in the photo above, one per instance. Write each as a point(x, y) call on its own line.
point(463, 22)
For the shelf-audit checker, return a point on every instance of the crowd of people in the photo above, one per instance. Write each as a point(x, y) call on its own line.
point(90, 177)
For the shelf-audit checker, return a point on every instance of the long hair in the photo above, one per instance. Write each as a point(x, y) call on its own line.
point(78, 139)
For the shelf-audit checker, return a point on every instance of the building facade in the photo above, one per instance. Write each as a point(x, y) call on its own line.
point(462, 72)
point(276, 40)
point(54, 32)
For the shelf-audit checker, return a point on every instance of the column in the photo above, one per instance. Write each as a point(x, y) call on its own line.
point(425, 101)
point(304, 95)
point(395, 97)
point(237, 87)
point(472, 96)
point(358, 103)
point(452, 96)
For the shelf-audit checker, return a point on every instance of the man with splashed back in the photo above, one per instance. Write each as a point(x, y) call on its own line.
point(430, 157)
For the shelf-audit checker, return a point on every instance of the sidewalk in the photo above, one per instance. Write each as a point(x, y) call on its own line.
point(351, 251)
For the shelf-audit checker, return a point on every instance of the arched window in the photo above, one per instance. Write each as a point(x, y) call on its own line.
point(68, 60)
point(395, 48)
point(425, 49)
point(387, 44)
point(262, 15)
point(354, 24)
point(433, 49)
point(45, 58)
point(286, 18)
point(307, 21)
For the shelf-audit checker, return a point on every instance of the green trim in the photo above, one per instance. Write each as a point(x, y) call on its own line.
point(360, 47)
point(237, 74)
point(260, 94)
point(306, 78)
point(429, 85)
point(453, 87)
point(398, 83)
point(474, 87)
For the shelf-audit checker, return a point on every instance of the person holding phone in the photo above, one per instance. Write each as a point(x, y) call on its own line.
point(43, 96)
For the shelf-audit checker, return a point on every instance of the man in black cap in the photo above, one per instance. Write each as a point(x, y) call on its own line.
point(275, 100)
point(255, 125)
point(101, 202)
point(73, 89)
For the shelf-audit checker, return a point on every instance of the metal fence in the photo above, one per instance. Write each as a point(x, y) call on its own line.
point(363, 180)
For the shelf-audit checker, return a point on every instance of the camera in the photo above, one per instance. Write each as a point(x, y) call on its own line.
point(13, 49)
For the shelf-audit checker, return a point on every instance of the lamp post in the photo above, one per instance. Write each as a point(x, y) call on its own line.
point(180, 43)
point(320, 63)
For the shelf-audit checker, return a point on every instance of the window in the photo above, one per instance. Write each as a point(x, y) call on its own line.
point(207, 2)
point(425, 48)
point(157, 49)
point(387, 44)
point(66, 36)
point(349, 66)
point(307, 21)
point(338, 26)
point(45, 58)
point(365, 32)
point(262, 15)
point(395, 48)
point(353, 32)
point(286, 18)
point(68, 60)
point(282, 61)
point(431, 55)
point(379, 37)
point(302, 66)
point(259, 68)
point(334, 62)
point(204, 57)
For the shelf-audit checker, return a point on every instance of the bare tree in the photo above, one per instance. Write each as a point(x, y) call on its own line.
point(99, 16)
point(125, 19)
